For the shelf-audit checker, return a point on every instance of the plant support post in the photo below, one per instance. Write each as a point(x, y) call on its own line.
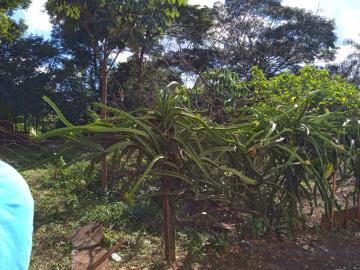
point(169, 229)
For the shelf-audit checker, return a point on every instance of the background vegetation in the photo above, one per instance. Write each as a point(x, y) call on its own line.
point(213, 122)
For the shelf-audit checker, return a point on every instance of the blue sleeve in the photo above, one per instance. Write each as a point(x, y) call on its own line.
point(16, 220)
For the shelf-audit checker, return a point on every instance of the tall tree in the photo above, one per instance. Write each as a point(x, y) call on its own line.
point(271, 36)
point(25, 74)
point(104, 29)
point(108, 27)
point(241, 34)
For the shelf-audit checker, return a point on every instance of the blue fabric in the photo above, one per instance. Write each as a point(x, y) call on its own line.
point(16, 220)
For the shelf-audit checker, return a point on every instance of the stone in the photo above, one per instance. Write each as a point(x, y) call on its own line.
point(88, 236)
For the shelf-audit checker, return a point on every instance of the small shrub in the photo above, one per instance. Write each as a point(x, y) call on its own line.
point(111, 214)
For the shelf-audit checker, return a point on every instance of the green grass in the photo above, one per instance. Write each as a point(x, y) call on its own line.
point(52, 225)
point(66, 199)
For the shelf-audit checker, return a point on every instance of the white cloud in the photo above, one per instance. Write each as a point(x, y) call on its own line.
point(122, 57)
point(348, 20)
point(36, 17)
point(342, 53)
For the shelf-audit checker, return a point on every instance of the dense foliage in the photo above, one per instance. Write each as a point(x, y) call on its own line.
point(213, 116)
point(270, 157)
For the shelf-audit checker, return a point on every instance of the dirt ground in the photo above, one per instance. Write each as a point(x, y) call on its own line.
point(310, 251)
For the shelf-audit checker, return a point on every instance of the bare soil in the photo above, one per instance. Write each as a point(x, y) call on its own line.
point(311, 250)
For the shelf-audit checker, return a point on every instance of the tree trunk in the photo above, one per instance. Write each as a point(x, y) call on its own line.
point(169, 229)
point(141, 70)
point(104, 86)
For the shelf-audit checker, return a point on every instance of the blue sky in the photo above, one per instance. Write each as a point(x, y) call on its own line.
point(345, 12)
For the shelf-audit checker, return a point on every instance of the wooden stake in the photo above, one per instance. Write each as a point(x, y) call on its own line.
point(169, 229)
point(106, 255)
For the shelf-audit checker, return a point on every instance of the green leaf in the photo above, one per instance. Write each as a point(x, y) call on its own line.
point(145, 174)
point(58, 112)
point(245, 179)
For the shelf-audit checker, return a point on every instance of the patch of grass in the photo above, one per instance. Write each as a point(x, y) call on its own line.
point(56, 216)
point(67, 199)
